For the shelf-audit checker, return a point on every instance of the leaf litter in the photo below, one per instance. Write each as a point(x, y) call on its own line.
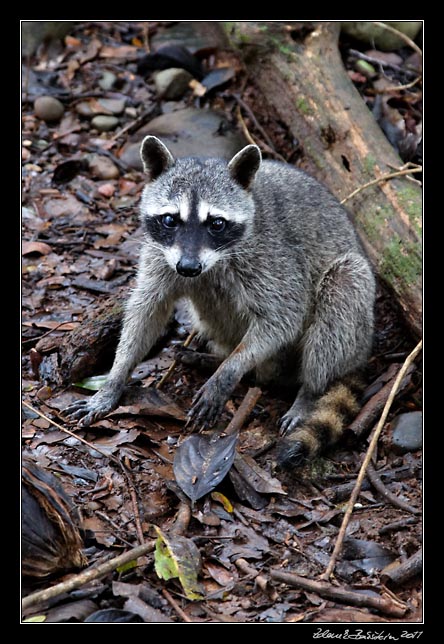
point(80, 241)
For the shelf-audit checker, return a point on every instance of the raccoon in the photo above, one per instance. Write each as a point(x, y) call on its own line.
point(277, 283)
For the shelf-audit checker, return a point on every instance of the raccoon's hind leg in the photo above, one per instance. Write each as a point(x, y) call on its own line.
point(337, 343)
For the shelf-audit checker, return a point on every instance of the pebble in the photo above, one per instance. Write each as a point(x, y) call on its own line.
point(84, 109)
point(104, 123)
point(102, 168)
point(407, 432)
point(113, 105)
point(108, 80)
point(48, 109)
point(171, 84)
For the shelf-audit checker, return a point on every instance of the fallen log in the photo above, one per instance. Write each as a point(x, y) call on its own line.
point(86, 350)
point(304, 80)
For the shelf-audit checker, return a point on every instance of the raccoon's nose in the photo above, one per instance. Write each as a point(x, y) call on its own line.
point(189, 267)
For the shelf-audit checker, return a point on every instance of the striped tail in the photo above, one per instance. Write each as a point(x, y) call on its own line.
point(325, 424)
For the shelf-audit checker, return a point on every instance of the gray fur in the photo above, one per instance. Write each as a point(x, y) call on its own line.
point(292, 298)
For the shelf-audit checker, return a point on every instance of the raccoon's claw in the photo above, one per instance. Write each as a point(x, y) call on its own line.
point(87, 411)
point(207, 406)
point(288, 422)
point(80, 411)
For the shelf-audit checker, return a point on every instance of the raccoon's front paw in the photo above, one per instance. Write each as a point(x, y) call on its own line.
point(208, 404)
point(87, 411)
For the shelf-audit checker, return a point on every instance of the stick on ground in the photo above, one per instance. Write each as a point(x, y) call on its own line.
point(87, 575)
point(368, 456)
point(351, 597)
point(405, 571)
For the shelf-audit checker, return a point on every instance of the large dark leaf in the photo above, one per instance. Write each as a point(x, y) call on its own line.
point(170, 56)
point(218, 77)
point(200, 463)
point(112, 615)
point(367, 556)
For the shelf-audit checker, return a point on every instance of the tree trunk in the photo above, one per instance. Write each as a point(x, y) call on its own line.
point(343, 146)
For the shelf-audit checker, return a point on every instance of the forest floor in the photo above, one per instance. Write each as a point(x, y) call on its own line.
point(80, 248)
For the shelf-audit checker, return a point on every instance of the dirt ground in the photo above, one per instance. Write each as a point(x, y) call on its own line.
point(80, 248)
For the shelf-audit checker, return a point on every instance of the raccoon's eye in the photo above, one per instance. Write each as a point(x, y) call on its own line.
point(217, 225)
point(170, 221)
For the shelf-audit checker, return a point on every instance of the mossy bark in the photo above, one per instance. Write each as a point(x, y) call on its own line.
point(343, 146)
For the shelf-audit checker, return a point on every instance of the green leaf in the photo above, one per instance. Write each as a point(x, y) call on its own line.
point(35, 618)
point(164, 563)
point(94, 383)
point(178, 557)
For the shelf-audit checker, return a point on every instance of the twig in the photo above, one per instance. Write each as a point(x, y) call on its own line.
point(176, 606)
point(134, 503)
point(55, 328)
point(384, 177)
point(396, 88)
point(174, 363)
point(368, 456)
point(244, 410)
point(146, 36)
point(257, 125)
point(382, 63)
point(87, 575)
point(375, 480)
point(250, 139)
point(398, 525)
point(124, 167)
point(182, 519)
point(245, 130)
point(405, 38)
point(259, 579)
point(351, 597)
point(114, 525)
point(110, 456)
point(369, 412)
point(134, 124)
point(343, 491)
point(67, 431)
point(406, 570)
point(250, 113)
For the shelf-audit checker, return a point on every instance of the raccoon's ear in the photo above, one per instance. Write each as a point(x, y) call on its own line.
point(156, 157)
point(244, 165)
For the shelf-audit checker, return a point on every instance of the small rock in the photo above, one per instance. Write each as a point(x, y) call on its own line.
point(171, 84)
point(108, 80)
point(113, 105)
point(104, 123)
point(101, 167)
point(188, 132)
point(365, 68)
point(106, 189)
point(407, 432)
point(84, 109)
point(48, 109)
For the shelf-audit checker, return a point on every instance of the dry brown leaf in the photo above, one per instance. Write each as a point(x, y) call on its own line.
point(123, 51)
point(40, 248)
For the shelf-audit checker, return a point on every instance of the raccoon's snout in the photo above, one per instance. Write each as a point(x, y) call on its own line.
point(189, 267)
